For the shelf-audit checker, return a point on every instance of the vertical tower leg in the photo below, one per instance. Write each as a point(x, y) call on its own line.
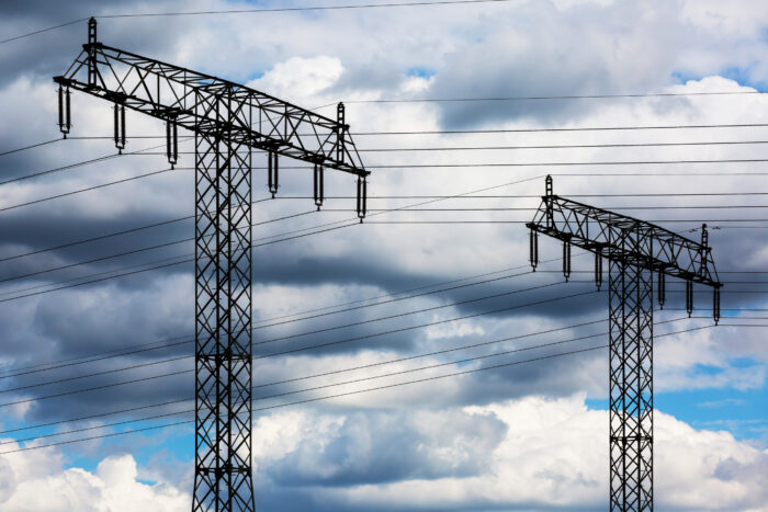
point(631, 387)
point(223, 475)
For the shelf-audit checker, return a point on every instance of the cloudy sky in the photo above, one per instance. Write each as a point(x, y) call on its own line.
point(96, 332)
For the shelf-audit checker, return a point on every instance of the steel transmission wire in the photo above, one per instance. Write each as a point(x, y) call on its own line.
point(318, 229)
point(350, 393)
point(145, 429)
point(304, 348)
point(337, 225)
point(278, 321)
point(373, 198)
point(257, 11)
point(111, 156)
point(344, 370)
point(165, 343)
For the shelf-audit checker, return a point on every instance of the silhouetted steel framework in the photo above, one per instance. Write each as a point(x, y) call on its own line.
point(635, 250)
point(228, 121)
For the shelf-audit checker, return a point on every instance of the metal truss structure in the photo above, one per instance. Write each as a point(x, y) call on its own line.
point(635, 250)
point(229, 121)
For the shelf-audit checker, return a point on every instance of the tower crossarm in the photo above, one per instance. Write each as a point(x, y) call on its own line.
point(213, 107)
point(619, 237)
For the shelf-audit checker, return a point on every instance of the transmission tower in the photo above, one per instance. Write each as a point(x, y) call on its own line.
point(229, 121)
point(635, 250)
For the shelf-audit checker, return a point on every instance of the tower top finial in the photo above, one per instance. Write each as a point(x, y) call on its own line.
point(92, 30)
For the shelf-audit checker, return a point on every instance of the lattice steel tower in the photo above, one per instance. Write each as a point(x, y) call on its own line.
point(635, 250)
point(229, 121)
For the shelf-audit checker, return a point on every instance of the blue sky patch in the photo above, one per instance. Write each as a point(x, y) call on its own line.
point(421, 72)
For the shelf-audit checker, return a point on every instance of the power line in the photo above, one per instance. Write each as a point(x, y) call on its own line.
point(136, 251)
point(485, 209)
point(566, 164)
point(373, 198)
point(114, 234)
point(533, 209)
point(302, 9)
point(255, 11)
point(89, 189)
point(548, 98)
point(387, 167)
point(523, 130)
point(562, 129)
point(164, 343)
point(316, 388)
point(469, 222)
point(546, 146)
point(265, 323)
point(304, 348)
point(39, 144)
point(48, 29)
point(344, 370)
point(402, 359)
point(138, 152)
point(337, 225)
point(308, 232)
point(269, 407)
point(350, 393)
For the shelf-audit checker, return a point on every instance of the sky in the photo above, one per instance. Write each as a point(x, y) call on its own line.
point(438, 287)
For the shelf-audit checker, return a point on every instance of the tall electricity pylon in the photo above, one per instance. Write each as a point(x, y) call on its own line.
point(229, 121)
point(635, 250)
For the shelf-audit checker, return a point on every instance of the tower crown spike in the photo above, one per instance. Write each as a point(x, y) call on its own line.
point(92, 26)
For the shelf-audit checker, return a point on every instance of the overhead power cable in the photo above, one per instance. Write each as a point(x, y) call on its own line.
point(37, 174)
point(258, 11)
point(488, 131)
point(380, 198)
point(301, 349)
point(344, 370)
point(522, 130)
point(89, 189)
point(312, 314)
point(306, 232)
point(617, 163)
point(32, 146)
point(543, 146)
point(317, 230)
point(167, 343)
point(136, 251)
point(550, 97)
point(340, 395)
point(296, 317)
point(116, 233)
point(325, 386)
point(325, 374)
point(401, 167)
point(304, 8)
point(183, 422)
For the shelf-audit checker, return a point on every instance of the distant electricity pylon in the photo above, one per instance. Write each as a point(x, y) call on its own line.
point(229, 121)
point(635, 250)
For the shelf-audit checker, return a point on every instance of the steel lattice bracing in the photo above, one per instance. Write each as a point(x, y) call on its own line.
point(229, 121)
point(635, 250)
point(223, 328)
point(189, 99)
point(630, 313)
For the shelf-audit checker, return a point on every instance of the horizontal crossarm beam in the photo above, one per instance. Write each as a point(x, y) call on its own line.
point(637, 242)
point(198, 101)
